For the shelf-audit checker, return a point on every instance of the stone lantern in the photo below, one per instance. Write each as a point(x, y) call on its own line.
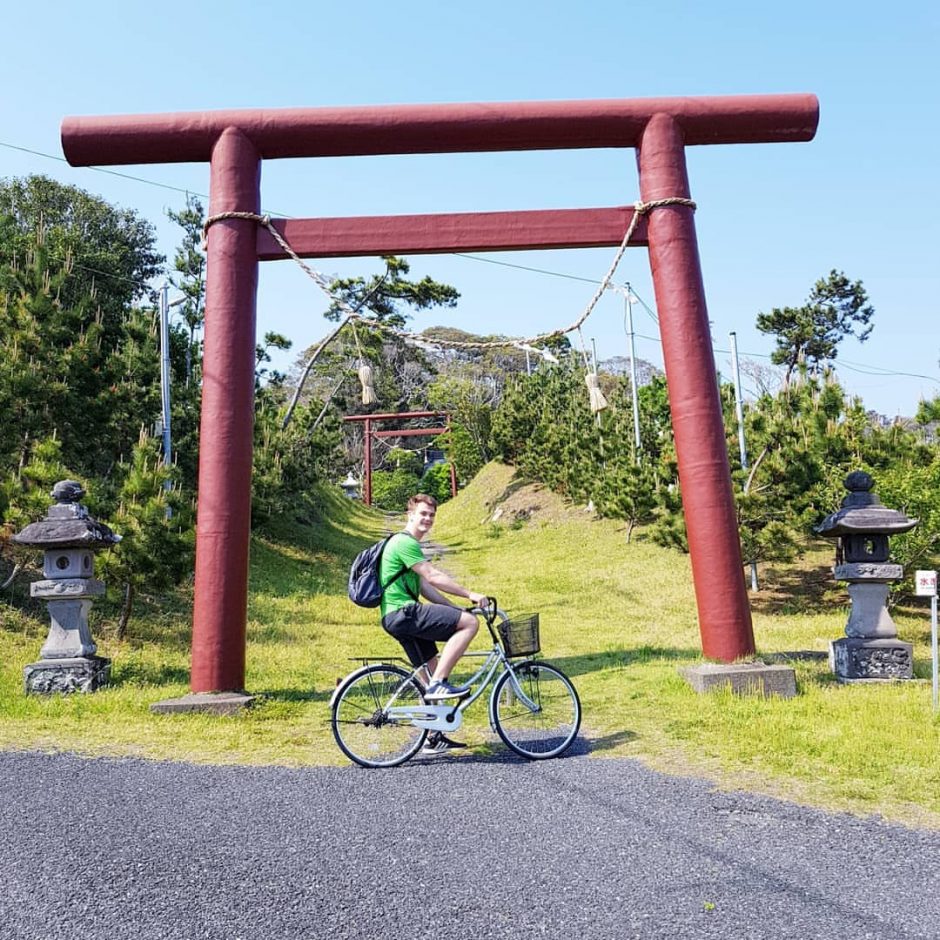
point(870, 649)
point(68, 537)
point(350, 486)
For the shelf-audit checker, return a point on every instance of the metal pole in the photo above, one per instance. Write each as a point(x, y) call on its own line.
point(739, 413)
point(165, 386)
point(738, 407)
point(634, 394)
point(165, 373)
point(933, 645)
point(597, 417)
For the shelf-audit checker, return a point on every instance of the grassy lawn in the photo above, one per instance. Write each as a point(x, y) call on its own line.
point(618, 617)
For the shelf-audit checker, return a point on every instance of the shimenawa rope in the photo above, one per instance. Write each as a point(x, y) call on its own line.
point(639, 209)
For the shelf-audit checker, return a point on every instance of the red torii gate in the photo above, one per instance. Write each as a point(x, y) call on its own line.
point(235, 142)
point(369, 432)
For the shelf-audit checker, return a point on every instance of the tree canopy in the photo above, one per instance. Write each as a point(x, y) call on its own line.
point(836, 308)
point(382, 296)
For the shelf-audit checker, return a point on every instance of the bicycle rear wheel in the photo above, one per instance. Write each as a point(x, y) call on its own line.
point(361, 725)
point(552, 727)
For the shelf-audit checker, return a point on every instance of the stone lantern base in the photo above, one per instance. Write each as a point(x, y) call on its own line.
point(866, 659)
point(81, 674)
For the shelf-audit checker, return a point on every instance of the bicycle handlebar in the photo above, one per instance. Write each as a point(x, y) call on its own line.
point(488, 612)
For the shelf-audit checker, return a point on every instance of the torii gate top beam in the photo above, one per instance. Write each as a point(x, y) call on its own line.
point(437, 128)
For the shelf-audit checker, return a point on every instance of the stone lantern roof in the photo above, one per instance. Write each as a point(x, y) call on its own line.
point(862, 513)
point(67, 524)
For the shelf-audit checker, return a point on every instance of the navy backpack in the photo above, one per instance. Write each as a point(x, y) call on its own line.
point(365, 585)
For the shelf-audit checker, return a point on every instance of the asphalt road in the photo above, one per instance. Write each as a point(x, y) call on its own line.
point(442, 848)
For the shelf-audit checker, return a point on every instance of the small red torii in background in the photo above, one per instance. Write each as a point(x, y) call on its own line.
point(369, 432)
point(235, 142)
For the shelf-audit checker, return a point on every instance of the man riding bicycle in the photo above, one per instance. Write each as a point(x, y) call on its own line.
point(419, 627)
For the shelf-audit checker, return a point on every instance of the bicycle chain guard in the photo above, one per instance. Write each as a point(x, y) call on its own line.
point(432, 717)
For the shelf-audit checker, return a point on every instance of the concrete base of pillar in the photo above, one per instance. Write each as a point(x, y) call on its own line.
point(216, 703)
point(753, 678)
point(80, 674)
point(859, 659)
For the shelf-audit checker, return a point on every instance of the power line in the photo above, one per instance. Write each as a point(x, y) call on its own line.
point(126, 176)
point(852, 367)
point(523, 267)
point(883, 372)
point(98, 169)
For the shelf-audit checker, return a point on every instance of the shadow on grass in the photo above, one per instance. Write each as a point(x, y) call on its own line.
point(797, 589)
point(293, 696)
point(276, 569)
point(621, 659)
point(319, 546)
point(516, 484)
point(146, 674)
point(608, 742)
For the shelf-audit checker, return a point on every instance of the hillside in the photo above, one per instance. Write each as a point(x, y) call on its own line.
point(618, 617)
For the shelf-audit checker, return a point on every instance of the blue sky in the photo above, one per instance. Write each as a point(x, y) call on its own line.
point(862, 197)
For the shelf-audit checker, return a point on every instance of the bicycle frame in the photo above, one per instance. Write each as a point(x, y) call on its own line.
point(449, 717)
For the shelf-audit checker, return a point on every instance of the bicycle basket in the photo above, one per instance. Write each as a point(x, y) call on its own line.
point(520, 635)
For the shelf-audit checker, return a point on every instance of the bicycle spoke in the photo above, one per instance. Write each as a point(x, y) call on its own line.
point(549, 728)
point(361, 724)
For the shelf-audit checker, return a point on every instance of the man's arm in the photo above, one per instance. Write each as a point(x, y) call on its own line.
point(435, 581)
point(434, 595)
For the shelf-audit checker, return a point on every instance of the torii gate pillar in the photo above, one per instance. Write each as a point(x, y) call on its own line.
point(694, 401)
point(227, 420)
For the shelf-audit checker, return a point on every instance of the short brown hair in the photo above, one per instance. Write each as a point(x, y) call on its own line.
point(421, 498)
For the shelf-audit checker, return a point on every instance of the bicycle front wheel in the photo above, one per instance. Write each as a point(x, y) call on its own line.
point(548, 726)
point(362, 726)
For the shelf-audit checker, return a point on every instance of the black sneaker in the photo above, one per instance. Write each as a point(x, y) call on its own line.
point(443, 689)
point(439, 743)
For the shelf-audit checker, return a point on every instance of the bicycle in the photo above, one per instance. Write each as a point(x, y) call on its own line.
point(380, 717)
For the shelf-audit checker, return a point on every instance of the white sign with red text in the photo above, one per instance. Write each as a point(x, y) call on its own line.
point(925, 583)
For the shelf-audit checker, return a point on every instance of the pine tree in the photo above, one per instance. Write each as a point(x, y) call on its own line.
point(154, 520)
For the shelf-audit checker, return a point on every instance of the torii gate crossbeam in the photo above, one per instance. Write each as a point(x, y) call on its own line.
point(235, 142)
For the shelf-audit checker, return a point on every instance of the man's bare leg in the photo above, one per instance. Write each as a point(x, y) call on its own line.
point(456, 646)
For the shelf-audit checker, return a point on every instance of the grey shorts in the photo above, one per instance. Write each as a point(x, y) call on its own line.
point(418, 626)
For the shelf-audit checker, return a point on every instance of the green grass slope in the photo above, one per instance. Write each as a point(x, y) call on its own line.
point(618, 617)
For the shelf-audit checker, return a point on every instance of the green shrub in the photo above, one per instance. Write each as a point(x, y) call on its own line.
point(436, 482)
point(391, 489)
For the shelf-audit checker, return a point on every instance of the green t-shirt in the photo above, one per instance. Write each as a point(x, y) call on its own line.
point(401, 551)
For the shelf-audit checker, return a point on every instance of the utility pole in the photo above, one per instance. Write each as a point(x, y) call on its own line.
point(628, 301)
point(165, 373)
point(739, 413)
point(597, 417)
